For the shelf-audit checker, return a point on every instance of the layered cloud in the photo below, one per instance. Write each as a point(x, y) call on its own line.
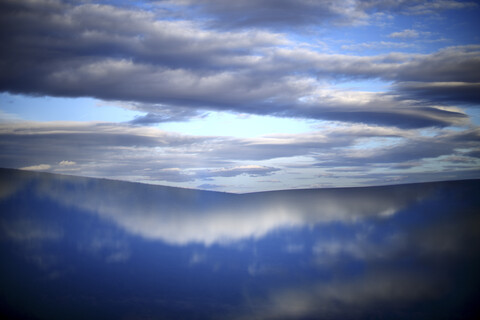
point(176, 61)
point(281, 15)
point(171, 68)
point(148, 154)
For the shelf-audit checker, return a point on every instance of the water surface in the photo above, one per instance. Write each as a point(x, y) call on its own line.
point(81, 248)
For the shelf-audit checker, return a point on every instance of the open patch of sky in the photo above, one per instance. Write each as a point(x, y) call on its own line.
point(371, 85)
point(47, 108)
point(238, 125)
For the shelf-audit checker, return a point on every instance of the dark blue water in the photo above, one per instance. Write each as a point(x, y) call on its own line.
point(79, 248)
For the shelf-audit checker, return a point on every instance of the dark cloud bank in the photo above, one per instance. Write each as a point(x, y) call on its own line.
point(76, 49)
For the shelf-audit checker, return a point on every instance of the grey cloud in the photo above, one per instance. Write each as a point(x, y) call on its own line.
point(453, 173)
point(316, 144)
point(119, 150)
point(209, 186)
point(67, 135)
point(413, 149)
point(119, 33)
point(429, 7)
point(406, 165)
point(171, 175)
point(288, 14)
point(401, 117)
point(415, 7)
point(135, 153)
point(454, 64)
point(278, 14)
point(100, 146)
point(179, 175)
point(167, 67)
point(441, 92)
point(312, 143)
point(251, 170)
point(154, 118)
point(474, 153)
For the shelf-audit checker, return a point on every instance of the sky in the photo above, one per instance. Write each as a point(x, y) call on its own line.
point(242, 96)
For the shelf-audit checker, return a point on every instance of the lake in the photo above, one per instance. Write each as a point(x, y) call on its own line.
point(84, 248)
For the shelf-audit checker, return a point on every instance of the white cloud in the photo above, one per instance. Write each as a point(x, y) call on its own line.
point(407, 33)
point(38, 167)
point(67, 163)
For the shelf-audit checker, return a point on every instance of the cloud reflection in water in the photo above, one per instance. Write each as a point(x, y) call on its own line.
point(182, 216)
point(110, 249)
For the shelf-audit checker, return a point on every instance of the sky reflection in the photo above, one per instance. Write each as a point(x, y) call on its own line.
point(182, 216)
point(79, 247)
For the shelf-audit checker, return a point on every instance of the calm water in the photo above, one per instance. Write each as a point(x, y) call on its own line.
point(78, 248)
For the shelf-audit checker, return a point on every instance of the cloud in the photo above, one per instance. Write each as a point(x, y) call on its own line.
point(209, 186)
point(416, 148)
point(377, 45)
point(288, 14)
point(429, 7)
point(278, 15)
point(38, 167)
point(127, 152)
point(67, 163)
point(154, 118)
point(84, 142)
point(172, 69)
point(415, 7)
point(177, 66)
point(466, 93)
point(251, 170)
point(407, 33)
point(160, 114)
